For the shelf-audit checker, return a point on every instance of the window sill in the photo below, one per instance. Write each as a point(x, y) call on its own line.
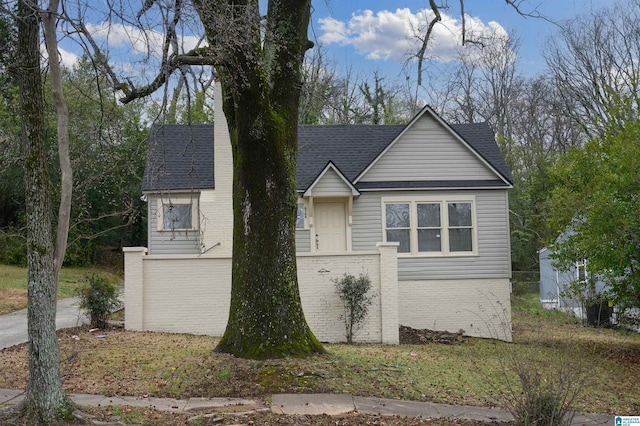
point(438, 255)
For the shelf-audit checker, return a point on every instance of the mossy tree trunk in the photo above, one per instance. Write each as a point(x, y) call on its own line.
point(260, 72)
point(45, 401)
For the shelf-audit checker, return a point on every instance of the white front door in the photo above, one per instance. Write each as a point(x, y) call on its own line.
point(331, 229)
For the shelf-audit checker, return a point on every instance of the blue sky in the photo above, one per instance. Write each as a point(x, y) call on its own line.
point(376, 34)
point(373, 34)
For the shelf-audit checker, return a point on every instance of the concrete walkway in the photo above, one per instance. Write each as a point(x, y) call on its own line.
point(310, 404)
point(13, 326)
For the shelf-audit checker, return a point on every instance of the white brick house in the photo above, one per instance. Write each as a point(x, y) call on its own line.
point(421, 208)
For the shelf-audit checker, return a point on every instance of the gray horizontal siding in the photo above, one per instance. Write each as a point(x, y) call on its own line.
point(493, 259)
point(303, 241)
point(366, 230)
point(428, 152)
point(330, 185)
point(169, 242)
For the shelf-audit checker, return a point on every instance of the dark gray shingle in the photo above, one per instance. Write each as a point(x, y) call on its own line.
point(181, 157)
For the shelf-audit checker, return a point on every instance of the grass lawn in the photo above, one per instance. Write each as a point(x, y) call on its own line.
point(473, 372)
point(13, 285)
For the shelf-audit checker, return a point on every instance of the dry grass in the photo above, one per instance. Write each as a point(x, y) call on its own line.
point(472, 372)
point(12, 299)
point(130, 415)
point(13, 285)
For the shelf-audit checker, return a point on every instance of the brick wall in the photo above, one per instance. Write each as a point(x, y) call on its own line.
point(191, 294)
point(479, 307)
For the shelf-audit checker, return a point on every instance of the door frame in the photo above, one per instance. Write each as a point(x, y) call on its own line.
point(348, 209)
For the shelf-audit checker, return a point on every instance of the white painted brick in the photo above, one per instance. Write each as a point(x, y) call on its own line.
point(191, 294)
point(480, 307)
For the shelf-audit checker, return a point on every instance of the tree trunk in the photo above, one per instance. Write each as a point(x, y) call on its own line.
point(62, 120)
point(266, 318)
point(45, 399)
point(260, 73)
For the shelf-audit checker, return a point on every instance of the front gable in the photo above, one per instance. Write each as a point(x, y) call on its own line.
point(331, 183)
point(431, 151)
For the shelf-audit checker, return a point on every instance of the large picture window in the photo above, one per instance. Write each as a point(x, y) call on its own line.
point(429, 226)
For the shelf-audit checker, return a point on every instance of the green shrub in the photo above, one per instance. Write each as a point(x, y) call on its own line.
point(98, 298)
point(13, 250)
point(353, 293)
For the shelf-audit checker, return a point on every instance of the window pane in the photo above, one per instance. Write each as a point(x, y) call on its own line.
point(429, 240)
point(460, 240)
point(459, 214)
point(398, 216)
point(177, 216)
point(402, 236)
point(429, 215)
point(300, 216)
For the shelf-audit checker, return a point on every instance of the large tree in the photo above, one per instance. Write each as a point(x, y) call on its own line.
point(45, 400)
point(260, 72)
point(259, 63)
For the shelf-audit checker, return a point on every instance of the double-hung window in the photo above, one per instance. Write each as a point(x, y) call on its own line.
point(431, 226)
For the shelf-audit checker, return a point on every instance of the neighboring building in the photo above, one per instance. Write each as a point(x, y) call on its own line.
point(435, 193)
point(555, 289)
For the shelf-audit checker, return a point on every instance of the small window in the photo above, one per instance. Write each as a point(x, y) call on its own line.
point(301, 214)
point(177, 216)
point(582, 271)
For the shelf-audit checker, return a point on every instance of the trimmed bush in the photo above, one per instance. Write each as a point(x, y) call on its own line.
point(98, 298)
point(353, 293)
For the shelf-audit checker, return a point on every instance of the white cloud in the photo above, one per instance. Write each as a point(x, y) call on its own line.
point(132, 40)
point(69, 59)
point(391, 35)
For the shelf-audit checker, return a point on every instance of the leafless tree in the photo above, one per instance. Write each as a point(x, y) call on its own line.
point(45, 400)
point(593, 60)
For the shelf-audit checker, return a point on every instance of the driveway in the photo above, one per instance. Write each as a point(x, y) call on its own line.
point(13, 326)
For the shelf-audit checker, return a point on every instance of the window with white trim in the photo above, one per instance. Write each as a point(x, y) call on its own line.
point(301, 215)
point(431, 226)
point(177, 214)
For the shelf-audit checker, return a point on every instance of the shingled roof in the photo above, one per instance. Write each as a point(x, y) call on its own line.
point(181, 157)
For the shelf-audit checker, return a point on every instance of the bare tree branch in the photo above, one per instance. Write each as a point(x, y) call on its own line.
point(427, 37)
point(516, 5)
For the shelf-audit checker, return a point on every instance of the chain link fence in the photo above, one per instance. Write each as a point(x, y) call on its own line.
point(525, 282)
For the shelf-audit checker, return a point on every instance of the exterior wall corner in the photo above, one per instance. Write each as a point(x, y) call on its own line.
point(134, 287)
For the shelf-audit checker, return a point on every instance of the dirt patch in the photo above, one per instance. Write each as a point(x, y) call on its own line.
point(412, 336)
point(152, 417)
point(12, 299)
